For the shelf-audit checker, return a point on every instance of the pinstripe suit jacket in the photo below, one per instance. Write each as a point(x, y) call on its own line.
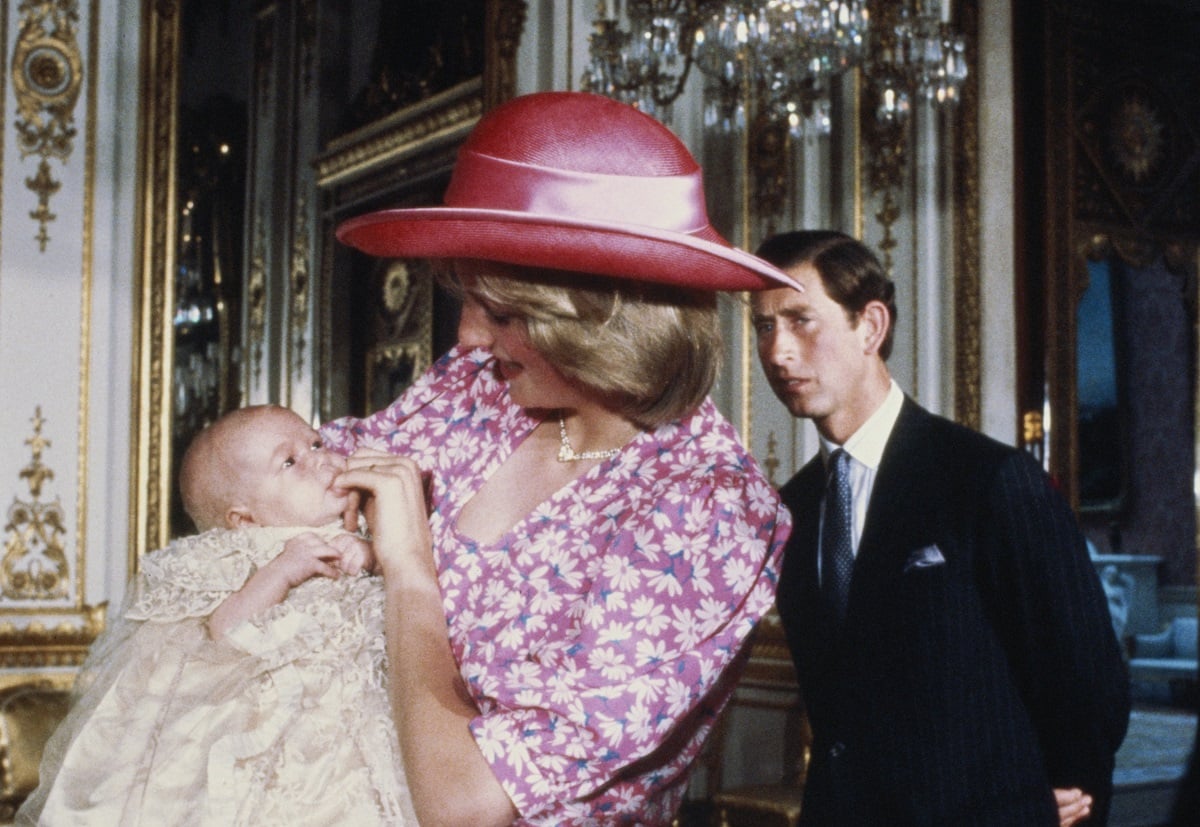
point(957, 693)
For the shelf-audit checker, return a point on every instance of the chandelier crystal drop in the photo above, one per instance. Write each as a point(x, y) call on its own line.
point(775, 58)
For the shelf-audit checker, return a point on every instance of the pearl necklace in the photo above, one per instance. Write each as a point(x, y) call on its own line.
point(567, 454)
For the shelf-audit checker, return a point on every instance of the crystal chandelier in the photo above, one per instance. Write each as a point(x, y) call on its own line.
point(774, 61)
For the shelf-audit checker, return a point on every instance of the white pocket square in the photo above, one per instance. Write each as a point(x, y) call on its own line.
point(924, 558)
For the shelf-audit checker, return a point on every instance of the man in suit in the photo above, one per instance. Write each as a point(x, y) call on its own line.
point(949, 631)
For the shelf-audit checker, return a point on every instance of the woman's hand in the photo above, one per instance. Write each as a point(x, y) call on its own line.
point(394, 504)
point(450, 779)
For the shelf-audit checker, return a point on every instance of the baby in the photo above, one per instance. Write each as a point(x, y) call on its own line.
point(245, 680)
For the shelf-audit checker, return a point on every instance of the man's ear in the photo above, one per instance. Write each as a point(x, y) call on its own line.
point(873, 321)
point(239, 516)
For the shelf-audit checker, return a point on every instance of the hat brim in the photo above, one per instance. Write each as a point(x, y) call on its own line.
point(630, 251)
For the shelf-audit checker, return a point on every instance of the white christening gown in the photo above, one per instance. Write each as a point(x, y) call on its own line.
point(285, 722)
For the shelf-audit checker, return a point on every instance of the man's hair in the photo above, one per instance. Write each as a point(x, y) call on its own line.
point(652, 351)
point(850, 272)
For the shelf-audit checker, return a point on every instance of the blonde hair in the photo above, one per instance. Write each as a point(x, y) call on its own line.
point(651, 351)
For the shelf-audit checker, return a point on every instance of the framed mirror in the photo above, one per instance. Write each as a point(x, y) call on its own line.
point(1100, 377)
point(237, 299)
point(1111, 233)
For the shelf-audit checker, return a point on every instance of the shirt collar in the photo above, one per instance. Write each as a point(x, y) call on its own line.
point(867, 443)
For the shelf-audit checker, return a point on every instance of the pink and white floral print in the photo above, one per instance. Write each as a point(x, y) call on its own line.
point(601, 635)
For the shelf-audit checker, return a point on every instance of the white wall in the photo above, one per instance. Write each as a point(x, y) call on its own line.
point(997, 239)
point(66, 321)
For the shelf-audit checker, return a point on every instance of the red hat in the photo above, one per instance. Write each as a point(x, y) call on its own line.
point(572, 181)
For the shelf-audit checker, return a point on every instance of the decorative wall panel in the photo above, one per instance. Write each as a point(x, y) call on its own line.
point(49, 67)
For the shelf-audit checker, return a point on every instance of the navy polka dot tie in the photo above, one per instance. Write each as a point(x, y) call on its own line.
point(837, 553)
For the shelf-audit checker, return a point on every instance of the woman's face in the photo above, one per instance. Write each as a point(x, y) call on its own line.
point(533, 381)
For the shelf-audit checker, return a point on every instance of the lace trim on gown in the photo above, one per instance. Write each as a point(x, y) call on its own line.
point(286, 721)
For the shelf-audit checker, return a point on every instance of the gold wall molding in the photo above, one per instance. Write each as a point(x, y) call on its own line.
point(3, 103)
point(43, 644)
point(150, 480)
point(85, 298)
point(44, 621)
point(256, 297)
point(161, 75)
point(503, 25)
point(445, 116)
point(968, 336)
point(34, 566)
point(47, 75)
point(300, 280)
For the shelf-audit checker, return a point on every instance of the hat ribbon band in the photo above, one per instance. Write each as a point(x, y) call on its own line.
point(667, 202)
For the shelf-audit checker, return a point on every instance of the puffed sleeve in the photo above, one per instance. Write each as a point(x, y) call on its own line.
point(419, 419)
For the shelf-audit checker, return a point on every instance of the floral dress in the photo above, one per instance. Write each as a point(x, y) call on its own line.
point(286, 721)
point(600, 636)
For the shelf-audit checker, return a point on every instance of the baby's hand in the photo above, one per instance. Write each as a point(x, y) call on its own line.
point(356, 554)
point(305, 555)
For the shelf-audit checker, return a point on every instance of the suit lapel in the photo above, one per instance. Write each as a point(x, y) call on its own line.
point(801, 605)
point(896, 520)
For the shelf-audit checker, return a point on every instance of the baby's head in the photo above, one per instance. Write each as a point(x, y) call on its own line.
point(261, 465)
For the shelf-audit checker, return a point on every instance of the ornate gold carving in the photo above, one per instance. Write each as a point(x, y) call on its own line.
point(770, 663)
point(769, 145)
point(256, 296)
point(34, 566)
point(1032, 430)
point(397, 290)
point(44, 185)
point(403, 330)
point(886, 141)
point(392, 366)
point(968, 344)
point(771, 463)
point(39, 644)
point(47, 74)
point(449, 115)
point(406, 301)
point(149, 513)
point(300, 281)
point(889, 213)
point(502, 35)
point(1136, 136)
point(85, 299)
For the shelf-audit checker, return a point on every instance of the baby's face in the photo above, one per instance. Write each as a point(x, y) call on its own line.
point(287, 473)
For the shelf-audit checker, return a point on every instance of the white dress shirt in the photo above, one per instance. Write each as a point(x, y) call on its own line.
point(865, 447)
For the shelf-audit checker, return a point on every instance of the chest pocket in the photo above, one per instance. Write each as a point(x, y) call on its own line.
point(921, 605)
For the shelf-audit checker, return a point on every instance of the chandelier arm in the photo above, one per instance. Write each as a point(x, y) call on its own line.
point(772, 63)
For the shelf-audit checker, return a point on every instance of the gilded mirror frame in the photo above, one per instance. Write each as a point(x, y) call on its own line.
point(1112, 172)
point(158, 187)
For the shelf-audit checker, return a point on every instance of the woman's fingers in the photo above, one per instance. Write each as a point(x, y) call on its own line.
point(394, 505)
point(365, 457)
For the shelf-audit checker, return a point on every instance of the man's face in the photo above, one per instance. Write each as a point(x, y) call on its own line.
point(816, 359)
point(285, 473)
